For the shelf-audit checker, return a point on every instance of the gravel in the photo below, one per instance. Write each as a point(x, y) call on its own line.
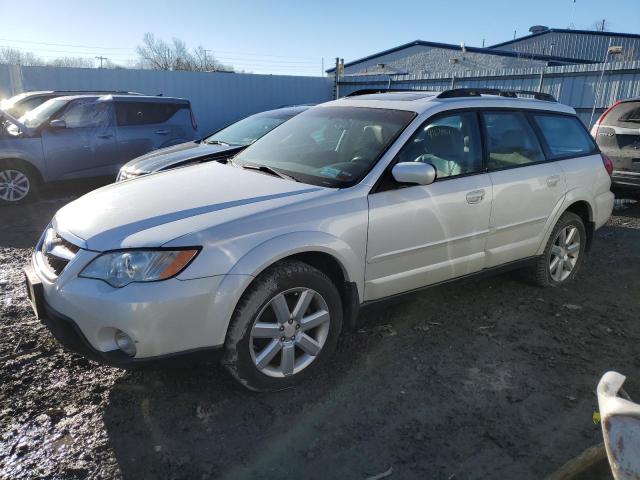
point(491, 378)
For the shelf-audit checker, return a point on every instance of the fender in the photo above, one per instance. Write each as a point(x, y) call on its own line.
point(238, 279)
point(577, 194)
point(277, 248)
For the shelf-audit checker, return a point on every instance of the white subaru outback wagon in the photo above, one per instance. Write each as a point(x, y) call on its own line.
point(270, 256)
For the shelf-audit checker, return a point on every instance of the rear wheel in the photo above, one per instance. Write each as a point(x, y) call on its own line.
point(564, 252)
point(18, 183)
point(285, 326)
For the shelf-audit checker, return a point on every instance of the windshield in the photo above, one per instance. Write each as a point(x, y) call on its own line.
point(42, 113)
point(248, 130)
point(328, 146)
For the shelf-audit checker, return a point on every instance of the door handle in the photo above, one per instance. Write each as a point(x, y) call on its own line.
point(475, 196)
point(162, 132)
point(553, 180)
point(105, 135)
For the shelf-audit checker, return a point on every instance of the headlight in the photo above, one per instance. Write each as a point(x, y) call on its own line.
point(124, 267)
point(129, 174)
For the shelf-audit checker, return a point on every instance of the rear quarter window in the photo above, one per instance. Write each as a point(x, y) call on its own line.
point(146, 113)
point(564, 135)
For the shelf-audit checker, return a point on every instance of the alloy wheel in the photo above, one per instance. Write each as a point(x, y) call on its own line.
point(14, 185)
point(564, 253)
point(289, 332)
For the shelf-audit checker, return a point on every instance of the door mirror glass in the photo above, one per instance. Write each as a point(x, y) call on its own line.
point(417, 173)
point(57, 124)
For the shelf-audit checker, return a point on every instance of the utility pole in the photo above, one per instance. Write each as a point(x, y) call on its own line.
point(322, 71)
point(101, 58)
point(483, 43)
point(205, 67)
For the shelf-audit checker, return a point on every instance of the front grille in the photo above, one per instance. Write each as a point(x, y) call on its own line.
point(56, 251)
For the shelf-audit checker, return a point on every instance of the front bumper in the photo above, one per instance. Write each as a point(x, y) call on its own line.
point(163, 318)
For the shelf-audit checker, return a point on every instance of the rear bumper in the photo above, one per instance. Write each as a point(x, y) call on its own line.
point(604, 207)
point(626, 180)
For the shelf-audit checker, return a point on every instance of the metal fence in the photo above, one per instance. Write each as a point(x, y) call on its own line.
point(217, 98)
point(576, 85)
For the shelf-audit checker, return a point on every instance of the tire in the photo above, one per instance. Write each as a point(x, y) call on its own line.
point(542, 271)
point(18, 182)
point(249, 351)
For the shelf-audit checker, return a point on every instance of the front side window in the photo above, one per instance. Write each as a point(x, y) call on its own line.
point(87, 114)
point(450, 143)
point(328, 146)
point(248, 130)
point(565, 136)
point(511, 141)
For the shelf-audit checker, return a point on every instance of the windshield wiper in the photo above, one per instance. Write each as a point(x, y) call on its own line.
point(266, 169)
point(218, 142)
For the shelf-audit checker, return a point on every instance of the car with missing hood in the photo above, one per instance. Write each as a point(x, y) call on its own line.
point(269, 257)
point(216, 147)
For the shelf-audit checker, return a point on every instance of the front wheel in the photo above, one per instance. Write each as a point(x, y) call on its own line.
point(17, 183)
point(285, 326)
point(564, 252)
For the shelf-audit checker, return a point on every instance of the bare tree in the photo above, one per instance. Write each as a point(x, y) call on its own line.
point(14, 56)
point(603, 25)
point(72, 62)
point(157, 54)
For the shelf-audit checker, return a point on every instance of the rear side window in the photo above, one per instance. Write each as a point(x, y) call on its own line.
point(145, 113)
point(511, 141)
point(565, 136)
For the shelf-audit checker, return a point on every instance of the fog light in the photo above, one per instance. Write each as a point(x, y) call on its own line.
point(125, 343)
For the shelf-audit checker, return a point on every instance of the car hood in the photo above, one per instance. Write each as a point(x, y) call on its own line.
point(152, 210)
point(176, 155)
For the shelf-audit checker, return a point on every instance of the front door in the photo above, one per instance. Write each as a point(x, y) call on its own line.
point(85, 145)
point(423, 234)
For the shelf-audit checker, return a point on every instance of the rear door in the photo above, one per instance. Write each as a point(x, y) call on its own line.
point(86, 147)
point(526, 187)
point(144, 126)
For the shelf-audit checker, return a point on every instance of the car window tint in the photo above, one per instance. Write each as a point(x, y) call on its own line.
point(450, 143)
point(145, 113)
point(564, 135)
point(87, 115)
point(510, 140)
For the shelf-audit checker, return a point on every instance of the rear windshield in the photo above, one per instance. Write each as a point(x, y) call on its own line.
point(565, 135)
point(328, 146)
point(625, 112)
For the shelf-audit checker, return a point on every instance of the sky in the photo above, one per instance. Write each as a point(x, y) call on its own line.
point(289, 36)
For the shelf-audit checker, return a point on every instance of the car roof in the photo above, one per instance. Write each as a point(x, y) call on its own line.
point(421, 101)
point(125, 98)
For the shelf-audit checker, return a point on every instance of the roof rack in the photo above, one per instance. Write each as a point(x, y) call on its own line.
point(476, 92)
point(370, 91)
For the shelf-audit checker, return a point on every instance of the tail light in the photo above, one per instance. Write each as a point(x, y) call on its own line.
point(594, 129)
point(194, 124)
point(608, 164)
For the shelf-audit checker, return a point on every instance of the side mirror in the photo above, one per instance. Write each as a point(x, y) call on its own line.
point(414, 173)
point(57, 124)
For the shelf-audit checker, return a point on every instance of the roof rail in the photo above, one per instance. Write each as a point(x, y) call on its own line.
point(370, 91)
point(476, 92)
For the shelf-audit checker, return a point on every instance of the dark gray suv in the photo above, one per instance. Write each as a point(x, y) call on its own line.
point(86, 136)
point(617, 133)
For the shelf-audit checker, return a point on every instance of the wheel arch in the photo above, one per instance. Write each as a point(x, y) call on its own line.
point(578, 201)
point(26, 163)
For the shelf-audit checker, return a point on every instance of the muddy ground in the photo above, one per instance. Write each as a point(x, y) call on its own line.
point(487, 379)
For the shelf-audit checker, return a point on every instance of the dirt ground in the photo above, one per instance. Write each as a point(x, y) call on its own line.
point(487, 379)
